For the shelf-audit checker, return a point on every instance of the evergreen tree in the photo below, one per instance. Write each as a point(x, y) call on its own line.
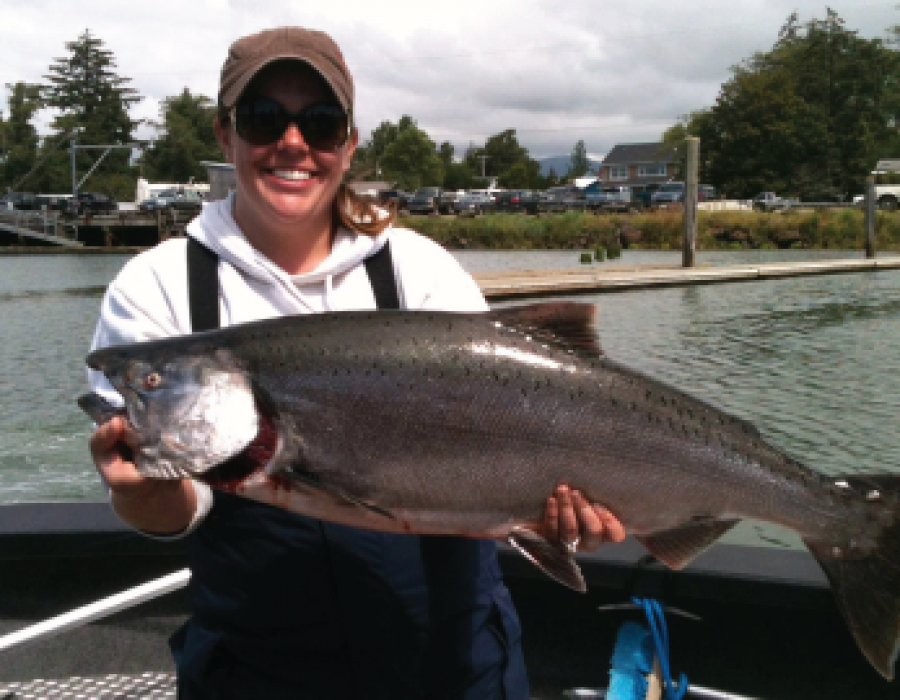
point(188, 138)
point(19, 137)
point(580, 164)
point(93, 101)
point(445, 153)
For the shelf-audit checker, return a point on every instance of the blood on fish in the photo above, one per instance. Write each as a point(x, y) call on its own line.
point(230, 474)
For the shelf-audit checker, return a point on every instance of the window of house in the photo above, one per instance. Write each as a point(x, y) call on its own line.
point(618, 172)
point(652, 170)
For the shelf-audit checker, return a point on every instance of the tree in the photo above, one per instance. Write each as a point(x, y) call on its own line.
point(92, 100)
point(808, 117)
point(188, 138)
point(458, 176)
point(445, 153)
point(412, 161)
point(19, 137)
point(368, 156)
point(503, 152)
point(522, 175)
point(580, 164)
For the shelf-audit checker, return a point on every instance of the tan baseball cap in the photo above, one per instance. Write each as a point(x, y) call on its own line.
point(250, 54)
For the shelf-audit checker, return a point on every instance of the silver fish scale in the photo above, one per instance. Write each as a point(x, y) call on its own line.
point(471, 417)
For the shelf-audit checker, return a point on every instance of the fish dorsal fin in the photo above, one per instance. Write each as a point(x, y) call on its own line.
point(567, 324)
point(677, 547)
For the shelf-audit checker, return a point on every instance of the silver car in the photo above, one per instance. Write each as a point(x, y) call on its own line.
point(473, 204)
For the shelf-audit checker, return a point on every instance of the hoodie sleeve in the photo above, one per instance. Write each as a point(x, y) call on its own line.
point(142, 304)
point(430, 278)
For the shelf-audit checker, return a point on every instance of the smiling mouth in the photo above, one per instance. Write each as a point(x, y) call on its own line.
point(292, 174)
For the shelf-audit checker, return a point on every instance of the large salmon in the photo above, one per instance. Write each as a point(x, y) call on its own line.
point(429, 422)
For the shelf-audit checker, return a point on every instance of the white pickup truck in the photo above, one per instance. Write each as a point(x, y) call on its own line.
point(769, 201)
point(887, 186)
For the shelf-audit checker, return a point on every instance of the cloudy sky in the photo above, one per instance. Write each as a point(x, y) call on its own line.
point(556, 71)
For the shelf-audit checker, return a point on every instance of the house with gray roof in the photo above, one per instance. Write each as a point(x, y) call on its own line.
point(639, 164)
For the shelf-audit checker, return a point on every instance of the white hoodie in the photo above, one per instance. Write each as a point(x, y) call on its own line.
point(149, 297)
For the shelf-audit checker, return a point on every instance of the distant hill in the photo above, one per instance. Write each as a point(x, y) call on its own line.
point(560, 164)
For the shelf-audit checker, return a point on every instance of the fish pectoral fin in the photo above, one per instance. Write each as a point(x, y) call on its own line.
point(551, 558)
point(677, 547)
point(315, 482)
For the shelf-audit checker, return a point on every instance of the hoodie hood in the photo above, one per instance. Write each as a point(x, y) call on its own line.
point(216, 228)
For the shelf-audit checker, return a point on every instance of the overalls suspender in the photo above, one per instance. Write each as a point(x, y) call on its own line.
point(203, 283)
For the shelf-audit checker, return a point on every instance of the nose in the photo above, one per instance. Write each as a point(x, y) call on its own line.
point(292, 138)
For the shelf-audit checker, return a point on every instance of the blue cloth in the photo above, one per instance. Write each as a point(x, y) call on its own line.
point(290, 607)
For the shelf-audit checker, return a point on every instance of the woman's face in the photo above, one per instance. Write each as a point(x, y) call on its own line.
point(287, 184)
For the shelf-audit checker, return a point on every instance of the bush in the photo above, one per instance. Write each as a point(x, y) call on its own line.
point(661, 230)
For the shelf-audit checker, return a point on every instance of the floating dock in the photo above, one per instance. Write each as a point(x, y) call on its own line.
point(612, 278)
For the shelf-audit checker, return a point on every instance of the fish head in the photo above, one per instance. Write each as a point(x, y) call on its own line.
point(188, 410)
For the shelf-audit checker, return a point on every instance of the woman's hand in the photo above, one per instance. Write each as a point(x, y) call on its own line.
point(161, 506)
point(580, 525)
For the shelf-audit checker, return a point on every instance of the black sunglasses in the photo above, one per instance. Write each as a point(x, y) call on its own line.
point(262, 120)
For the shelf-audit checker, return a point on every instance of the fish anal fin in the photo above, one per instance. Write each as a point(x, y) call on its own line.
point(551, 558)
point(677, 547)
point(568, 324)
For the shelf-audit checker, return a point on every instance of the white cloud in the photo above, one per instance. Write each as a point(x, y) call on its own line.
point(602, 72)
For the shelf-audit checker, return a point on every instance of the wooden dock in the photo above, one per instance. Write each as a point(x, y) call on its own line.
point(614, 278)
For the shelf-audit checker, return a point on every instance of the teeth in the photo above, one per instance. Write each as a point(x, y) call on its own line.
point(292, 174)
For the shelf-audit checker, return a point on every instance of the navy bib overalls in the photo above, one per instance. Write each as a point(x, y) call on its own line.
point(285, 606)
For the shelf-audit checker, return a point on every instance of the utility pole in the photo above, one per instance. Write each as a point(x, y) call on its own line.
point(482, 158)
point(72, 151)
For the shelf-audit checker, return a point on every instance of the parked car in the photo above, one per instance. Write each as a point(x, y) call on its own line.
point(668, 193)
point(52, 202)
point(180, 200)
point(527, 201)
point(19, 200)
point(399, 197)
point(705, 193)
point(562, 198)
point(92, 203)
point(432, 200)
point(610, 198)
point(473, 204)
point(641, 195)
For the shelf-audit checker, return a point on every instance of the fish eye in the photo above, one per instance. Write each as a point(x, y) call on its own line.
point(152, 380)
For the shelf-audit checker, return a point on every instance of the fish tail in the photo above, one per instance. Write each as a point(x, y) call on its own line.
point(866, 582)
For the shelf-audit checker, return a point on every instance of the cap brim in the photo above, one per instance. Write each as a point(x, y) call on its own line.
point(231, 96)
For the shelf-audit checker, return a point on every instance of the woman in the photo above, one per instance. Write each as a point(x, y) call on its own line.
point(283, 605)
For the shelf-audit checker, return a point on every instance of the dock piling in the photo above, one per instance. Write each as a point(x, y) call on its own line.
point(690, 202)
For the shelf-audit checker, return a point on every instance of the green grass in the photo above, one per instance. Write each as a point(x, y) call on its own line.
point(662, 230)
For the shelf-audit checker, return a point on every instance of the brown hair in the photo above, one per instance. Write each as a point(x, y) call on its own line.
point(357, 212)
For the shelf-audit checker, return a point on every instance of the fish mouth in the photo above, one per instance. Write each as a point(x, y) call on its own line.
point(231, 473)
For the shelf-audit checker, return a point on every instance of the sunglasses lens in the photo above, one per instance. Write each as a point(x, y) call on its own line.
point(262, 121)
point(323, 126)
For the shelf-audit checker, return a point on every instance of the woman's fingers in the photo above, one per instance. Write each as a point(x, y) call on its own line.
point(576, 522)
